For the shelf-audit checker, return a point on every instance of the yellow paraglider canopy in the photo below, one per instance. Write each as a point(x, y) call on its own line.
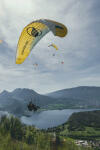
point(33, 32)
point(53, 45)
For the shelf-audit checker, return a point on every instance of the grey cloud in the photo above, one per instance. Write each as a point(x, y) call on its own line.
point(79, 50)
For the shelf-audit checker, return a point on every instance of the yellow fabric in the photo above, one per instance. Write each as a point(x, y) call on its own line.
point(25, 41)
point(60, 32)
point(53, 45)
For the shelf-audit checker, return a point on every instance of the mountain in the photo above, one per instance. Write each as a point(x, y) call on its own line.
point(26, 95)
point(79, 96)
point(77, 92)
point(16, 101)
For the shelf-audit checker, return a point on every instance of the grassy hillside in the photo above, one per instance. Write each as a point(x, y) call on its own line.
point(81, 126)
point(78, 121)
point(16, 136)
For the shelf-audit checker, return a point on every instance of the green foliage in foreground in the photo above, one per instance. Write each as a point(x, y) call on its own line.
point(15, 136)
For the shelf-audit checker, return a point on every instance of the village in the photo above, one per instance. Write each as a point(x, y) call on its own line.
point(85, 143)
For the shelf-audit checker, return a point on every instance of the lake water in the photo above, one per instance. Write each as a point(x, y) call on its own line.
point(50, 118)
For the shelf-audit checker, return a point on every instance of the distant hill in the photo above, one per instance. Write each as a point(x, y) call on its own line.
point(82, 96)
point(80, 120)
point(77, 92)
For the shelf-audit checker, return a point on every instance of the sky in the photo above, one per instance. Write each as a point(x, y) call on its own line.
point(80, 49)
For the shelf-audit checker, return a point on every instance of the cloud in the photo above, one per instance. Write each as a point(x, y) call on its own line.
point(79, 50)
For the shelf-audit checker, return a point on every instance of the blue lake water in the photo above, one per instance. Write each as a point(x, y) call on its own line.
point(50, 118)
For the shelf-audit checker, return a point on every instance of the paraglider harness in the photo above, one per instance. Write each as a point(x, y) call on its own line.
point(32, 106)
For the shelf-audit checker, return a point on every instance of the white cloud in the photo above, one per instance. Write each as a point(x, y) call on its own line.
point(76, 49)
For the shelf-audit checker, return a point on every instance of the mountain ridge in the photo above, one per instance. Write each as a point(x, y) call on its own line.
point(77, 97)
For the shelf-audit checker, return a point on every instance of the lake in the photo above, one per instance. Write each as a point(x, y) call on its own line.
point(50, 118)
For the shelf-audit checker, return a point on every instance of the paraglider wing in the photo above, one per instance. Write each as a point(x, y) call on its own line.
point(53, 45)
point(62, 62)
point(35, 64)
point(57, 28)
point(1, 41)
point(33, 32)
point(30, 35)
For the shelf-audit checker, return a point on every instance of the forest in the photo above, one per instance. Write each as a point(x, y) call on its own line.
point(16, 136)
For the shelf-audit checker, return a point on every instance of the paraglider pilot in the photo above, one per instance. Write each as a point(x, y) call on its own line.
point(32, 106)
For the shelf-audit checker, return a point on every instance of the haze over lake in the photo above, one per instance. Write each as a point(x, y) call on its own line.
point(50, 118)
